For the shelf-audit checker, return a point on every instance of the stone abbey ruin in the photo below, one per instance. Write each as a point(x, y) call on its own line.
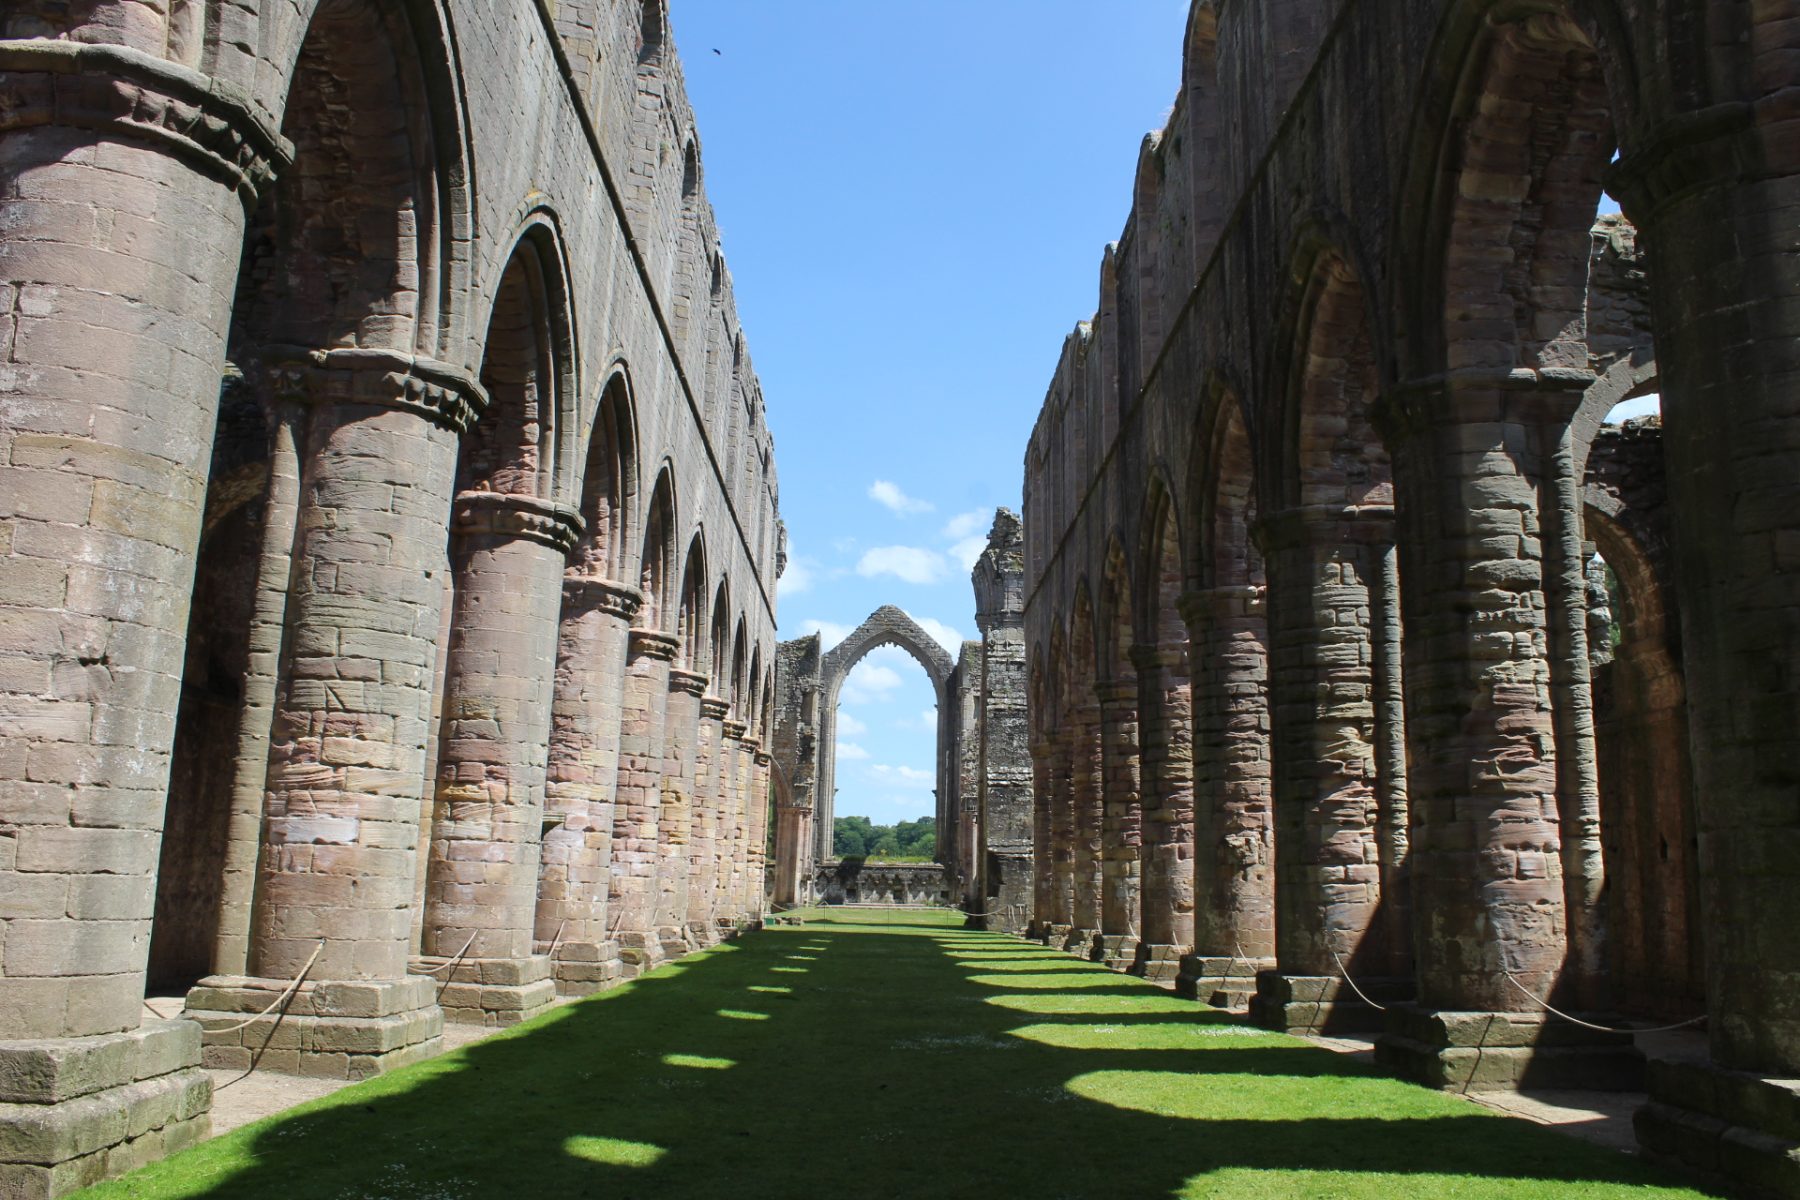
point(389, 538)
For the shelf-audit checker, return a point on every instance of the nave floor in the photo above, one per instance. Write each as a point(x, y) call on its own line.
point(888, 1056)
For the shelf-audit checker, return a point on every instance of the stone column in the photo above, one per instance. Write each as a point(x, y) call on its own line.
point(124, 182)
point(744, 748)
point(1121, 827)
point(1062, 843)
point(635, 819)
point(262, 681)
point(581, 778)
point(1043, 877)
point(731, 830)
point(759, 832)
point(481, 883)
point(675, 825)
point(1234, 859)
point(1167, 865)
point(1324, 569)
point(349, 737)
point(709, 845)
point(1713, 194)
point(1486, 848)
point(1086, 779)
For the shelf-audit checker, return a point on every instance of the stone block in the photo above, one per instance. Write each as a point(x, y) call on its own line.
point(1462, 1051)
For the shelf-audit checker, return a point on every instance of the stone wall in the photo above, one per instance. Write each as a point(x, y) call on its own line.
point(1309, 509)
point(858, 881)
point(389, 527)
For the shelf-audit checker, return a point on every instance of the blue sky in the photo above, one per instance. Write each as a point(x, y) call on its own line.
point(913, 199)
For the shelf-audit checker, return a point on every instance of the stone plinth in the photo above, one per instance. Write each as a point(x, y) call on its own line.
point(1221, 981)
point(1736, 1124)
point(1480, 1051)
point(495, 992)
point(331, 1030)
point(1158, 964)
point(1323, 1004)
point(75, 1111)
point(583, 968)
point(1116, 950)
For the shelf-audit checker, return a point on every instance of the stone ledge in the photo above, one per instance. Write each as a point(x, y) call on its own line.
point(52, 1070)
point(243, 995)
point(160, 1105)
point(1486, 1051)
point(1736, 1125)
point(1315, 1004)
point(1220, 981)
point(329, 1030)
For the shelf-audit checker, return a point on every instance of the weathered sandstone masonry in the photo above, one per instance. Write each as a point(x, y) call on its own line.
point(375, 428)
point(985, 755)
point(1340, 412)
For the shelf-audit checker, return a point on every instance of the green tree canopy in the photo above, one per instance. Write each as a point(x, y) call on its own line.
point(858, 837)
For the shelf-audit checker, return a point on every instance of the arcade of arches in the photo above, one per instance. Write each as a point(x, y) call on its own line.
point(389, 538)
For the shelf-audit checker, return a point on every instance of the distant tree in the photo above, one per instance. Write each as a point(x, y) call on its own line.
point(851, 836)
point(858, 837)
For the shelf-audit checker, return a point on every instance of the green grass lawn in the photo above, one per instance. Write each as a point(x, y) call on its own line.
point(881, 1055)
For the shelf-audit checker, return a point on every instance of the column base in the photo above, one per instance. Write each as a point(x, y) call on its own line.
point(675, 941)
point(343, 1030)
point(1737, 1125)
point(1157, 963)
point(583, 968)
point(74, 1111)
point(1220, 981)
point(1079, 941)
point(727, 927)
point(1322, 1004)
point(492, 992)
point(703, 933)
point(639, 952)
point(1116, 951)
point(1480, 1051)
point(1056, 934)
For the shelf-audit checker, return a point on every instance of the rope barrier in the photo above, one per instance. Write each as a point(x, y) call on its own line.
point(289, 990)
point(1346, 975)
point(1599, 1028)
point(447, 966)
point(286, 995)
point(557, 940)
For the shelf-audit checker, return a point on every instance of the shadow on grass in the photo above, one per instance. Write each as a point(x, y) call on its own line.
point(835, 1056)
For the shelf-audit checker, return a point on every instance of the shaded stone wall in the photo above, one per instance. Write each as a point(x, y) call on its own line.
point(401, 372)
point(1356, 341)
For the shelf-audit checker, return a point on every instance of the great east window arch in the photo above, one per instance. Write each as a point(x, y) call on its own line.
point(886, 626)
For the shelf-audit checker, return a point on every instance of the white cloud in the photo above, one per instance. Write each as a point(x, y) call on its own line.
point(796, 579)
point(850, 751)
point(904, 776)
point(950, 639)
point(847, 724)
point(968, 551)
point(909, 564)
point(889, 496)
point(967, 524)
point(830, 632)
point(869, 683)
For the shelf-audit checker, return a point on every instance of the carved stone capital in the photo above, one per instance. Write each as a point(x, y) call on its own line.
point(763, 759)
point(446, 395)
point(713, 708)
point(606, 595)
point(1324, 524)
point(1202, 607)
point(1689, 151)
point(654, 643)
point(735, 729)
point(501, 514)
point(122, 93)
point(691, 683)
point(1418, 408)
